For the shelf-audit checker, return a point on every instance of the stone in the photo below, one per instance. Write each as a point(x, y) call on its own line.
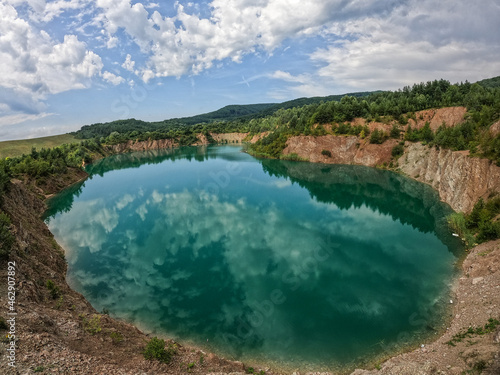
point(477, 280)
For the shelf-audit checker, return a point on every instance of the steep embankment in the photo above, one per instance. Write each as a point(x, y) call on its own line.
point(159, 144)
point(460, 180)
point(343, 150)
point(156, 144)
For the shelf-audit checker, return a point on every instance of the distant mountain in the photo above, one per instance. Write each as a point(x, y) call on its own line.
point(490, 82)
point(313, 100)
point(227, 113)
point(249, 111)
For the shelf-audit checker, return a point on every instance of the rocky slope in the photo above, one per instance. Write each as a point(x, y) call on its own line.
point(460, 180)
point(156, 144)
point(343, 149)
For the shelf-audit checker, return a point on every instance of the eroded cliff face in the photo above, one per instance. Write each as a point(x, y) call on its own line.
point(229, 137)
point(459, 179)
point(343, 149)
point(169, 143)
point(156, 144)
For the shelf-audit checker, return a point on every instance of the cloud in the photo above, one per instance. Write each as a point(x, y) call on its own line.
point(112, 78)
point(20, 117)
point(33, 63)
point(189, 44)
point(414, 42)
point(128, 64)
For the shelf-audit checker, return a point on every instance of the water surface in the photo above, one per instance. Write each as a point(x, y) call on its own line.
point(298, 265)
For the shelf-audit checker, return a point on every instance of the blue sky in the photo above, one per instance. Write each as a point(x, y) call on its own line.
point(64, 64)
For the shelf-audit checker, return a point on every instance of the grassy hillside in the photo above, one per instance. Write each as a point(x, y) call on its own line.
point(24, 146)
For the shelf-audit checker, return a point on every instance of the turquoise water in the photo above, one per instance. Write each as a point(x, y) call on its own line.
point(291, 264)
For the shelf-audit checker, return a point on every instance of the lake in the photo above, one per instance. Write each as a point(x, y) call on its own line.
point(291, 264)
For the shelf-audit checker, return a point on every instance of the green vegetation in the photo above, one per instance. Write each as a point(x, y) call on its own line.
point(490, 82)
point(24, 146)
point(378, 137)
point(116, 337)
point(53, 289)
point(471, 331)
point(480, 225)
point(251, 370)
point(155, 349)
point(60, 302)
point(398, 150)
point(92, 325)
point(326, 153)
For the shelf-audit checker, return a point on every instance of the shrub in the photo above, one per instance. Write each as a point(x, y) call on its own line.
point(395, 132)
point(326, 153)
point(92, 325)
point(377, 137)
point(53, 289)
point(116, 337)
point(155, 349)
point(397, 151)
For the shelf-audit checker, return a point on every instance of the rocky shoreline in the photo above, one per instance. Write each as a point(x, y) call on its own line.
point(54, 335)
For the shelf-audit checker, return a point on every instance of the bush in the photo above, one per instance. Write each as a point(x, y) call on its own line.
point(53, 289)
point(395, 132)
point(326, 153)
point(457, 223)
point(92, 325)
point(116, 337)
point(378, 137)
point(397, 151)
point(155, 349)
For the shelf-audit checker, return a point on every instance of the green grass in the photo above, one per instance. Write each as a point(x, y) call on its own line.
point(23, 146)
point(471, 331)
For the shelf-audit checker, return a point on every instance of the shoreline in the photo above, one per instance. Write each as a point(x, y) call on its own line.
point(403, 361)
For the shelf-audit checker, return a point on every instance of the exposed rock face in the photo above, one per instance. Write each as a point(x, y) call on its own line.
point(143, 145)
point(459, 179)
point(344, 150)
point(229, 137)
point(159, 144)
